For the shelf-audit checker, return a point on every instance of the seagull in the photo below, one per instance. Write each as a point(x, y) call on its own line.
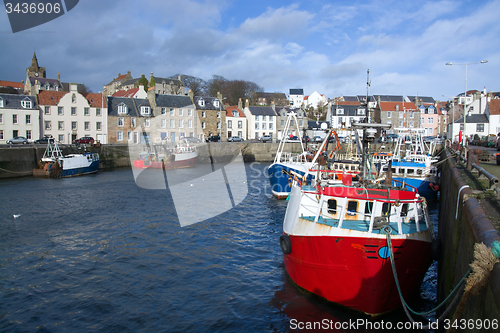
point(16, 215)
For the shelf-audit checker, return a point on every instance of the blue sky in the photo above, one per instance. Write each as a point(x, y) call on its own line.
point(323, 46)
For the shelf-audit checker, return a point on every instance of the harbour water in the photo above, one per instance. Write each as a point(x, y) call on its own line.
point(99, 253)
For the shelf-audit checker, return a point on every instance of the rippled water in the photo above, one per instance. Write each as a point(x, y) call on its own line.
point(98, 253)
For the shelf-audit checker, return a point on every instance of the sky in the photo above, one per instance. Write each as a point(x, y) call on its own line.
point(316, 45)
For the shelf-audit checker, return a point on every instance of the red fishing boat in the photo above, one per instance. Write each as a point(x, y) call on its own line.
point(168, 158)
point(338, 239)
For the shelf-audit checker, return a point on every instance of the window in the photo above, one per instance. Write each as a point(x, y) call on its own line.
point(300, 123)
point(389, 114)
point(422, 121)
point(218, 125)
point(14, 118)
point(431, 120)
point(411, 124)
point(98, 112)
point(369, 208)
point(48, 125)
point(145, 110)
point(98, 126)
point(216, 103)
point(1, 102)
point(256, 118)
point(119, 136)
point(400, 123)
point(60, 110)
point(163, 111)
point(263, 126)
point(73, 98)
point(461, 127)
point(172, 112)
point(190, 112)
point(203, 114)
point(60, 138)
point(122, 108)
point(28, 119)
point(121, 122)
point(235, 113)
point(479, 127)
point(240, 124)
point(164, 123)
point(240, 134)
point(181, 123)
point(397, 107)
point(190, 123)
point(352, 207)
point(86, 111)
point(401, 114)
point(404, 210)
point(340, 111)
point(229, 124)
point(87, 125)
point(28, 134)
point(73, 125)
point(218, 114)
point(412, 114)
point(203, 125)
point(256, 126)
point(147, 122)
point(181, 112)
point(172, 123)
point(26, 103)
point(129, 136)
point(282, 122)
point(47, 110)
point(386, 209)
point(73, 111)
point(332, 206)
point(361, 112)
point(60, 125)
point(1, 134)
point(133, 122)
point(201, 102)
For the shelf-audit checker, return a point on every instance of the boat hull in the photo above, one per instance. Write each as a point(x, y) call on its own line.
point(72, 166)
point(176, 161)
point(356, 272)
point(423, 186)
point(280, 179)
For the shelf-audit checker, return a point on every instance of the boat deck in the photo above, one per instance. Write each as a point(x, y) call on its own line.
point(360, 225)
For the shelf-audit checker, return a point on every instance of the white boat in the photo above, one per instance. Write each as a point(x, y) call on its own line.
point(54, 165)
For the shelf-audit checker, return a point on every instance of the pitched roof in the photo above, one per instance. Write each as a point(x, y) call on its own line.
point(126, 93)
point(50, 97)
point(13, 101)
point(230, 109)
point(348, 103)
point(423, 99)
point(132, 105)
point(17, 85)
point(172, 101)
point(210, 103)
point(262, 110)
point(391, 106)
point(296, 91)
point(494, 106)
point(44, 81)
point(389, 98)
point(96, 100)
point(473, 119)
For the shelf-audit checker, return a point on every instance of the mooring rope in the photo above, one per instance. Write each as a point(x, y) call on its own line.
point(476, 277)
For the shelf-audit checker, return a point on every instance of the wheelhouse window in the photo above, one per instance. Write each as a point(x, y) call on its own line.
point(386, 209)
point(369, 208)
point(404, 210)
point(332, 206)
point(352, 207)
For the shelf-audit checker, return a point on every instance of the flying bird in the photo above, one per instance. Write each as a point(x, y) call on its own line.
point(16, 215)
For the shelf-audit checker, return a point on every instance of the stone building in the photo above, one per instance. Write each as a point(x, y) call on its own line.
point(129, 120)
point(212, 115)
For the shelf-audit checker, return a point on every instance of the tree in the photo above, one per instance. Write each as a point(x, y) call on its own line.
point(216, 84)
point(195, 84)
point(143, 81)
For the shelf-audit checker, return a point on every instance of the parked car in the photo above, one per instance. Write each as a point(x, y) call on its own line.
point(191, 140)
point(317, 138)
point(305, 139)
point(235, 139)
point(293, 139)
point(44, 140)
point(84, 140)
point(18, 139)
point(213, 138)
point(266, 138)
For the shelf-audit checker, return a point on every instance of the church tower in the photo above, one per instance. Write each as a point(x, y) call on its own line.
point(34, 70)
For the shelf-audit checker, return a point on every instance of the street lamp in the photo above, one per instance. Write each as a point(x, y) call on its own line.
point(465, 93)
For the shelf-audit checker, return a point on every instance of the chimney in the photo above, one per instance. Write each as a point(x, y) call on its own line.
point(219, 96)
point(191, 95)
point(240, 104)
point(273, 106)
point(247, 103)
point(58, 76)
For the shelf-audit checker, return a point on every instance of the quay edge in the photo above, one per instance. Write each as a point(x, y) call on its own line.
point(458, 236)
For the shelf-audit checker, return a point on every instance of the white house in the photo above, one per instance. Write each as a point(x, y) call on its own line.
point(236, 121)
point(70, 115)
point(18, 117)
point(296, 98)
point(315, 100)
point(261, 121)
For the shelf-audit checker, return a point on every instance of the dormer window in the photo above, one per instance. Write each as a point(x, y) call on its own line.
point(1, 102)
point(235, 113)
point(47, 86)
point(340, 111)
point(145, 110)
point(122, 108)
point(26, 103)
point(201, 102)
point(397, 107)
point(218, 114)
point(216, 103)
point(361, 112)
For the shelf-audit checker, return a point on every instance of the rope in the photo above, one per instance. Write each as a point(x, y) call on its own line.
point(484, 260)
point(405, 305)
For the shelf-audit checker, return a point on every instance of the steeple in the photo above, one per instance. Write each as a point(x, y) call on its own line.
point(34, 62)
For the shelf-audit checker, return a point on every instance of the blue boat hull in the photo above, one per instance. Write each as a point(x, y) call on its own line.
point(92, 168)
point(280, 180)
point(422, 185)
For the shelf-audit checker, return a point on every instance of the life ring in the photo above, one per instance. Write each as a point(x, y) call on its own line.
point(290, 182)
point(286, 244)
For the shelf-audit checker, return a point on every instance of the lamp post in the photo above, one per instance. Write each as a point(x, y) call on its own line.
point(465, 92)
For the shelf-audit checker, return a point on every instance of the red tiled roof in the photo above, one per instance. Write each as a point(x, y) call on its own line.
point(494, 106)
point(126, 93)
point(391, 106)
point(229, 111)
point(348, 103)
point(121, 77)
point(306, 97)
point(95, 100)
point(12, 84)
point(50, 97)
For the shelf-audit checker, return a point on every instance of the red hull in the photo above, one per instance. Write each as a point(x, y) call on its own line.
point(349, 270)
